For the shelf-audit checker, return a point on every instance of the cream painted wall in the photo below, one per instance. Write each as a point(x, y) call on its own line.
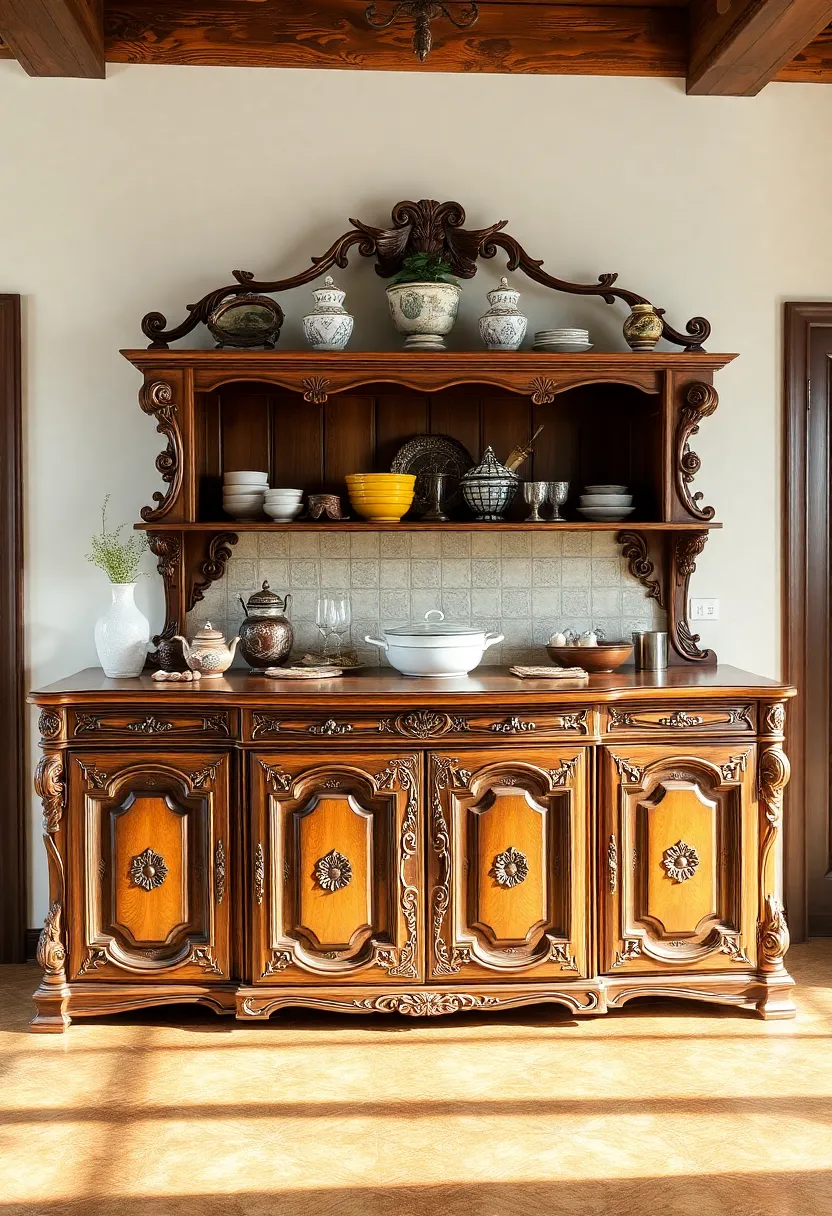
point(144, 191)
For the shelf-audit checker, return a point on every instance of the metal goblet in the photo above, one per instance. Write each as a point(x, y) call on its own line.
point(535, 493)
point(558, 493)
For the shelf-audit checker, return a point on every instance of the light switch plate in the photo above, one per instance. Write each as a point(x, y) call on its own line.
point(704, 610)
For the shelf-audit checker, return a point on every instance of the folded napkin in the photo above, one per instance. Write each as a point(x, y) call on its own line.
point(549, 673)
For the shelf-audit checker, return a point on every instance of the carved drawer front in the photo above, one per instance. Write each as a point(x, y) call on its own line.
point(693, 719)
point(335, 868)
point(507, 864)
point(679, 843)
point(151, 862)
point(162, 722)
point(417, 725)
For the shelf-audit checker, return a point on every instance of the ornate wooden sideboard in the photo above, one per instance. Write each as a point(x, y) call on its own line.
point(379, 844)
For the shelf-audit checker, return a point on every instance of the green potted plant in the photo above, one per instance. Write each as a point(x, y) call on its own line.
point(122, 633)
point(424, 298)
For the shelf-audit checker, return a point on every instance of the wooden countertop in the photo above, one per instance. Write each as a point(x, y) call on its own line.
point(494, 685)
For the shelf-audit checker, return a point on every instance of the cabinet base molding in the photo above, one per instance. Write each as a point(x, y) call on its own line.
point(56, 1008)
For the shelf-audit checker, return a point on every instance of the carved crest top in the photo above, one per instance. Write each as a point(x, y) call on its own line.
point(426, 226)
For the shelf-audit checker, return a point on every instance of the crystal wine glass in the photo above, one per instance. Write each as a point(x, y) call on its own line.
point(325, 615)
point(342, 616)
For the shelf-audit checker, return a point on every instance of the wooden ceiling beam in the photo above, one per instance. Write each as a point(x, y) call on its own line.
point(738, 46)
point(55, 37)
point(596, 39)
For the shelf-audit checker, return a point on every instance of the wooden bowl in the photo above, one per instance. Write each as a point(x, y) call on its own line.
point(608, 656)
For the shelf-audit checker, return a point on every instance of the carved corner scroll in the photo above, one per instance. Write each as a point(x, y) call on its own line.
point(685, 548)
point(426, 226)
point(51, 949)
point(700, 402)
point(634, 548)
point(212, 568)
point(50, 788)
point(156, 399)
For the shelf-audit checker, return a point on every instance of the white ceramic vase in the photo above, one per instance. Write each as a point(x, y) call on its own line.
point(122, 635)
point(503, 327)
point(425, 312)
point(329, 327)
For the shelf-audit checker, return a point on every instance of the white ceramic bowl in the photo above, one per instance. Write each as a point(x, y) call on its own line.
point(605, 515)
point(606, 500)
point(605, 489)
point(244, 512)
point(283, 514)
point(246, 479)
point(243, 500)
point(283, 496)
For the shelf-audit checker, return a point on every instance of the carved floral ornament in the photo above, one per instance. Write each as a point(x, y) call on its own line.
point(333, 872)
point(426, 226)
point(510, 867)
point(680, 861)
point(148, 870)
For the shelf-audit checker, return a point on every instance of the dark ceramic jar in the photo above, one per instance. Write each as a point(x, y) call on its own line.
point(266, 635)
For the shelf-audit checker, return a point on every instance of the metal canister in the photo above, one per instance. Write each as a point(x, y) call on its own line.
point(266, 636)
point(650, 650)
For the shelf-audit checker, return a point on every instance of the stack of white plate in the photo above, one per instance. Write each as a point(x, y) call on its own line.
point(242, 494)
point(283, 505)
point(562, 341)
point(605, 504)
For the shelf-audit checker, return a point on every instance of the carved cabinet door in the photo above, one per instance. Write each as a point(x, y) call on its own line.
point(507, 864)
point(335, 868)
point(150, 849)
point(678, 866)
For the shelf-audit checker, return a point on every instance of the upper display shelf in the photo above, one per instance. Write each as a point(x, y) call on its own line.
point(426, 246)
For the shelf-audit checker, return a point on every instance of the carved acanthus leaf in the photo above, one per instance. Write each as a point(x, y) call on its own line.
point(774, 934)
point(634, 549)
point(213, 568)
point(700, 402)
point(628, 772)
point(277, 778)
point(425, 1004)
point(50, 788)
point(51, 949)
point(561, 774)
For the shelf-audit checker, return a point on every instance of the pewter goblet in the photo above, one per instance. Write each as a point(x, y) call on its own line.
point(437, 489)
point(535, 493)
point(558, 492)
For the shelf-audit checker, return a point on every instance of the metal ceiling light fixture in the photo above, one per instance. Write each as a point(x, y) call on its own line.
point(422, 12)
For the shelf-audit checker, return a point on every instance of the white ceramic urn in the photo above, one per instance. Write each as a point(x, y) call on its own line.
point(122, 634)
point(329, 326)
point(425, 312)
point(503, 327)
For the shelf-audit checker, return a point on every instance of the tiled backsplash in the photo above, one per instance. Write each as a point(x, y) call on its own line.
point(523, 584)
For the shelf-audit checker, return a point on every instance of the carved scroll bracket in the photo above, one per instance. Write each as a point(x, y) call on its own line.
point(426, 226)
point(635, 549)
point(700, 402)
point(156, 399)
point(211, 569)
point(684, 550)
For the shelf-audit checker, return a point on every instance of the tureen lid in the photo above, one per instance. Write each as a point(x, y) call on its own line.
point(208, 634)
point(488, 467)
point(265, 598)
point(432, 628)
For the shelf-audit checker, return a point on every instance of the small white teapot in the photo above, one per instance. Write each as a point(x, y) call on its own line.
point(209, 653)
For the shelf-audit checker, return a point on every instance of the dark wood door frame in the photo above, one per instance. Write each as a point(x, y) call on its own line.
point(806, 597)
point(12, 704)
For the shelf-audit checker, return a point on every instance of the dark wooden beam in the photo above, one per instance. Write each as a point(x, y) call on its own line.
point(55, 37)
point(814, 64)
point(738, 46)
point(597, 39)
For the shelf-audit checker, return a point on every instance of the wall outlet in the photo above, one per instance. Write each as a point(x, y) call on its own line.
point(704, 610)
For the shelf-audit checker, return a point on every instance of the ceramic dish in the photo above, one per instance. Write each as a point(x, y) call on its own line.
point(245, 478)
point(435, 648)
point(608, 656)
point(605, 515)
point(606, 500)
point(562, 348)
point(605, 489)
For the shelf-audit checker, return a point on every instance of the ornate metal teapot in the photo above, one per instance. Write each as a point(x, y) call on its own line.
point(266, 635)
point(209, 653)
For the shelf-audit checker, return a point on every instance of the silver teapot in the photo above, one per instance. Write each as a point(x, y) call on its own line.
point(266, 635)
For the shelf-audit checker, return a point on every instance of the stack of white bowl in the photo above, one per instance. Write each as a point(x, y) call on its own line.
point(283, 505)
point(605, 504)
point(243, 492)
point(562, 341)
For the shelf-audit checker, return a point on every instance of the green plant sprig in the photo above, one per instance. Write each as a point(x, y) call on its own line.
point(424, 268)
point(119, 559)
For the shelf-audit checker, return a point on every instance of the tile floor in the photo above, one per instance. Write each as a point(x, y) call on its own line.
point(664, 1108)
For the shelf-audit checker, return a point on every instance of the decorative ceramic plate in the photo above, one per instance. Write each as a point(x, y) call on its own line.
point(426, 454)
point(302, 673)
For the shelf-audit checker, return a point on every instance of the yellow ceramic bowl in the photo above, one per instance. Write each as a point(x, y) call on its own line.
point(377, 481)
point(381, 512)
point(381, 496)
